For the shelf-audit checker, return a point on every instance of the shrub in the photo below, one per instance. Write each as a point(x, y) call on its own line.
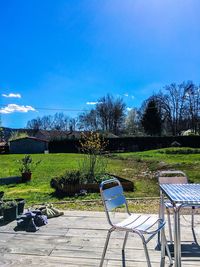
point(93, 163)
point(103, 177)
point(68, 183)
point(180, 151)
point(69, 177)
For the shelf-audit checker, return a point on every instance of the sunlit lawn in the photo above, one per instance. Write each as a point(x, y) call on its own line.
point(189, 163)
point(139, 167)
point(52, 165)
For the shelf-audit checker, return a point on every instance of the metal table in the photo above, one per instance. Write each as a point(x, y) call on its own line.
point(180, 195)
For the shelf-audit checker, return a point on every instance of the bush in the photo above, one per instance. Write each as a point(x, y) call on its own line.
point(71, 183)
point(180, 151)
point(69, 177)
point(103, 177)
point(93, 164)
point(74, 178)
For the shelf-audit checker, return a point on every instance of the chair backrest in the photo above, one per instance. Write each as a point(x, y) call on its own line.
point(112, 195)
point(172, 177)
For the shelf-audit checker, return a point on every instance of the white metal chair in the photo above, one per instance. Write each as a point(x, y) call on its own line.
point(145, 226)
point(173, 177)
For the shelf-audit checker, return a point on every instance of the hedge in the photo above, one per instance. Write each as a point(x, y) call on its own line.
point(127, 144)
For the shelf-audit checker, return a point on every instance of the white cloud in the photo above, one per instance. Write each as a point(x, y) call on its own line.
point(129, 96)
point(91, 103)
point(129, 109)
point(12, 95)
point(10, 108)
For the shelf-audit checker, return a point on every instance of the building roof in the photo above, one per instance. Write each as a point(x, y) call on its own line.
point(30, 137)
point(49, 135)
point(52, 134)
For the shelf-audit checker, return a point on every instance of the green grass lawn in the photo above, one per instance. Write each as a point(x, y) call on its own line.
point(174, 158)
point(139, 167)
point(52, 165)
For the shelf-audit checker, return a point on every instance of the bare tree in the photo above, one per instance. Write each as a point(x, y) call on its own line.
point(172, 106)
point(103, 109)
point(108, 115)
point(193, 102)
point(89, 121)
point(59, 122)
point(73, 123)
point(111, 113)
point(132, 122)
point(118, 116)
point(34, 124)
point(46, 122)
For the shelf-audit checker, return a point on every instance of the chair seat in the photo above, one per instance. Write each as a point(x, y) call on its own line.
point(144, 223)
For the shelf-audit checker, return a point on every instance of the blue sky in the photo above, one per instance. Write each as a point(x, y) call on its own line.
point(67, 54)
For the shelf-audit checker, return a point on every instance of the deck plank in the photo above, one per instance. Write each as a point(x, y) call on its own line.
point(77, 239)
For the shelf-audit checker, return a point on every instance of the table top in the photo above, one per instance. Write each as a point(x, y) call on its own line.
point(182, 193)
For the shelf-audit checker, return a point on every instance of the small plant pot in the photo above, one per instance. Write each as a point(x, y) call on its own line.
point(20, 205)
point(26, 177)
point(10, 214)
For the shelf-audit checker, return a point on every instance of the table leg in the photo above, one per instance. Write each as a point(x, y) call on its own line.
point(161, 216)
point(177, 241)
point(162, 206)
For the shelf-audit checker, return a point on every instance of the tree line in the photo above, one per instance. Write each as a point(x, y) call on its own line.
point(169, 112)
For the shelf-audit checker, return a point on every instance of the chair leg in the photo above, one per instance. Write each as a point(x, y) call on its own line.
point(167, 249)
point(192, 225)
point(146, 252)
point(105, 247)
point(125, 240)
point(169, 225)
point(162, 261)
point(192, 219)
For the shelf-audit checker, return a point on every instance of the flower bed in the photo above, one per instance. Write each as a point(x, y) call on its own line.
point(64, 188)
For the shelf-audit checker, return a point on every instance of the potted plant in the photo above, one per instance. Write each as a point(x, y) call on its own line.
point(26, 168)
point(20, 202)
point(20, 205)
point(9, 210)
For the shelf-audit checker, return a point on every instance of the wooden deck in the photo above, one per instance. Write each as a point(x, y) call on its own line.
point(77, 239)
